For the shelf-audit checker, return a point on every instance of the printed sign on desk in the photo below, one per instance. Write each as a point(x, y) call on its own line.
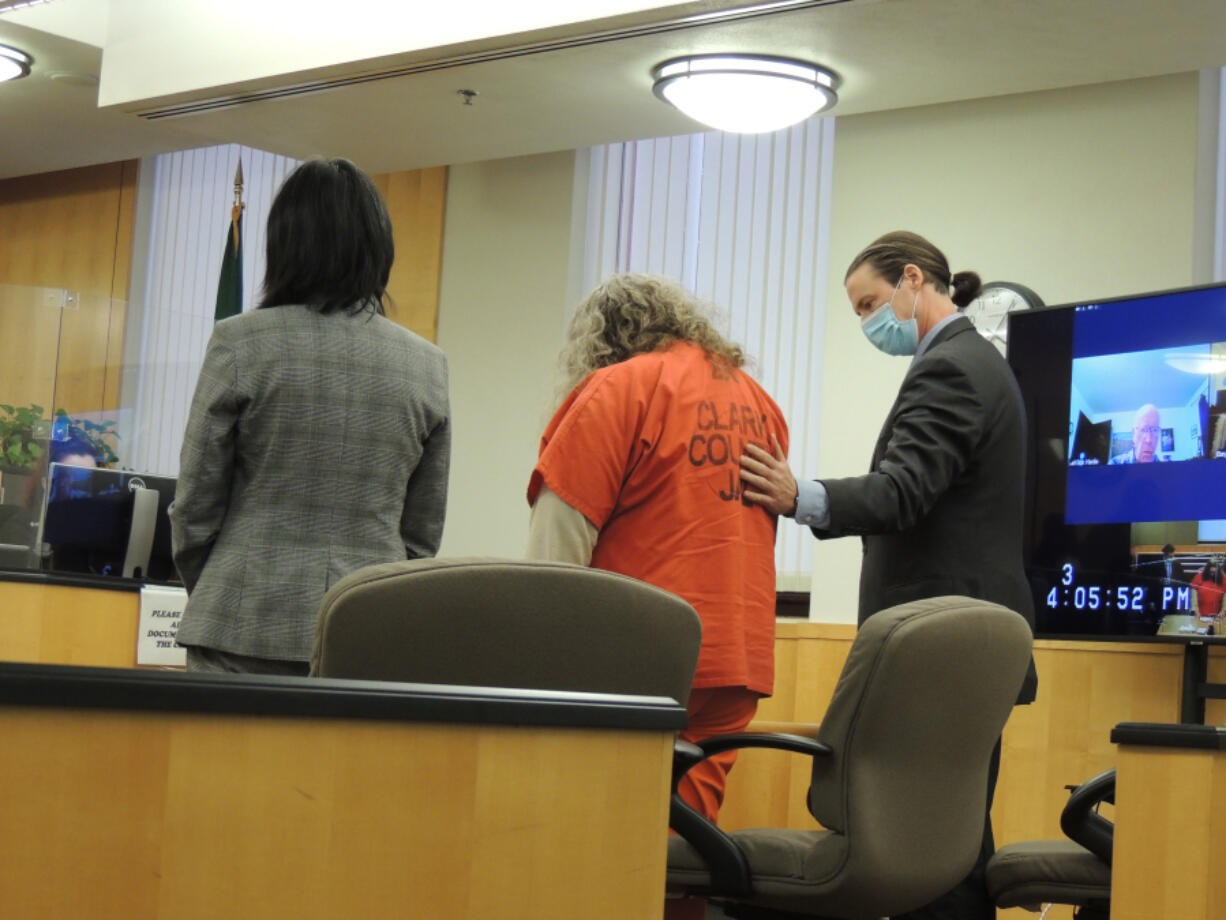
point(160, 612)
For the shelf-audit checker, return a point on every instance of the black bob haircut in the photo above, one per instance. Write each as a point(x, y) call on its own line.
point(329, 240)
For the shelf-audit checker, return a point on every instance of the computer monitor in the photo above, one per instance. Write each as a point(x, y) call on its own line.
point(97, 521)
point(1126, 409)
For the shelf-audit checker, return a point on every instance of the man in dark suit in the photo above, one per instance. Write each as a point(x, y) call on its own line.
point(1172, 571)
point(941, 509)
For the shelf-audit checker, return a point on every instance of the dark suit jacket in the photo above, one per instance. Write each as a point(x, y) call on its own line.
point(1179, 576)
point(941, 509)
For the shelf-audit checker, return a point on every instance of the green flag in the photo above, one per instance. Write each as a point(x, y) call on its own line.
point(230, 282)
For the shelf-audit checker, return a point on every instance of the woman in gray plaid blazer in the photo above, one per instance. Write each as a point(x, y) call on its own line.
point(318, 440)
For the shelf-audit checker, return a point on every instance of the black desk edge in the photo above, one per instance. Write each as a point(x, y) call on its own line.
point(63, 686)
point(81, 580)
point(1162, 734)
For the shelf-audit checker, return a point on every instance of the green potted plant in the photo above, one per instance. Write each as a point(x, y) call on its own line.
point(21, 429)
point(24, 434)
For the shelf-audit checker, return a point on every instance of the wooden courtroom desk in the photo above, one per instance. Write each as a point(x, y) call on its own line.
point(1170, 822)
point(150, 794)
point(1186, 625)
point(58, 618)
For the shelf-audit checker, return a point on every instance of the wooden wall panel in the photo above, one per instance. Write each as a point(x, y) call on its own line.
point(121, 286)
point(416, 201)
point(1215, 710)
point(30, 320)
point(54, 624)
point(67, 224)
point(1085, 689)
point(75, 233)
point(770, 788)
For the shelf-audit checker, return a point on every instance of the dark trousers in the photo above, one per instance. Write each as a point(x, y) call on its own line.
point(968, 900)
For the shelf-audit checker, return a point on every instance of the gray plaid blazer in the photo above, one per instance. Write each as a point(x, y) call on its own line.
point(316, 445)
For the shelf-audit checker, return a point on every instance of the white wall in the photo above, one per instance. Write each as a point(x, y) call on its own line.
point(502, 308)
point(1079, 193)
point(1085, 192)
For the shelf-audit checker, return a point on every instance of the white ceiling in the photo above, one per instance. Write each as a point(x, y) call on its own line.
point(50, 122)
point(890, 53)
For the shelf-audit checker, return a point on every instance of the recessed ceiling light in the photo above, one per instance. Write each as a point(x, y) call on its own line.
point(9, 5)
point(743, 93)
point(14, 64)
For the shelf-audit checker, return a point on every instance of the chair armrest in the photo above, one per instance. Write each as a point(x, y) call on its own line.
point(770, 726)
point(1082, 824)
point(797, 744)
point(729, 868)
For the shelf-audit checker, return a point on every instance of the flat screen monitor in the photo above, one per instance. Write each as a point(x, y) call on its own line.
point(88, 522)
point(1126, 408)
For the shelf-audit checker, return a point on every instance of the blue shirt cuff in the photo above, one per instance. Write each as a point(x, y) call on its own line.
point(812, 504)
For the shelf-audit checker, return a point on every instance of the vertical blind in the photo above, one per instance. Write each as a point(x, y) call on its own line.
point(742, 221)
point(1219, 204)
point(176, 289)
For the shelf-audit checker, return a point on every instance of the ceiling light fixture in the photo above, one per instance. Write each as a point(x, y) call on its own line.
point(745, 93)
point(10, 5)
point(1199, 363)
point(14, 64)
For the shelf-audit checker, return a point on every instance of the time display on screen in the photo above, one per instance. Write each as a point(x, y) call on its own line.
point(1070, 594)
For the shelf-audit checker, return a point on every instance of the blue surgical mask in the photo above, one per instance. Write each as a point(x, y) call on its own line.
point(889, 333)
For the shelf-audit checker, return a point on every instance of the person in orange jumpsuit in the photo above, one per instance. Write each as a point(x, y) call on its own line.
point(638, 474)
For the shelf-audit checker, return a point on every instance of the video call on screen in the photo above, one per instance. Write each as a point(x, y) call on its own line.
point(1158, 351)
point(1126, 405)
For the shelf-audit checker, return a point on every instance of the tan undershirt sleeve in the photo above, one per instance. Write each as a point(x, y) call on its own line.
point(559, 533)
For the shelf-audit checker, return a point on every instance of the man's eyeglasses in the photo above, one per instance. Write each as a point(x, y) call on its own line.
point(1150, 430)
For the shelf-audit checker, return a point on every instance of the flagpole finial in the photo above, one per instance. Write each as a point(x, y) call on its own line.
point(238, 185)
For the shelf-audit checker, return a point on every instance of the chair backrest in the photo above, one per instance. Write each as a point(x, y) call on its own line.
point(508, 623)
point(919, 706)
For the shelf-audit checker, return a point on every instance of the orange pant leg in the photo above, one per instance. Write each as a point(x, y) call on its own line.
point(712, 711)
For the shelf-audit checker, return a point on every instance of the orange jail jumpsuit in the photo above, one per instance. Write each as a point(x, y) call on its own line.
point(647, 450)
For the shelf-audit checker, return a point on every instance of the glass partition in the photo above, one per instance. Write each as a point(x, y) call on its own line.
point(29, 357)
point(57, 376)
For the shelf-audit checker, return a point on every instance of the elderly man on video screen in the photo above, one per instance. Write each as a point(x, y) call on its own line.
point(1146, 429)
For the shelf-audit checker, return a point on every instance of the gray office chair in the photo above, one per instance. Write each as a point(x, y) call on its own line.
point(900, 769)
point(508, 623)
point(1076, 871)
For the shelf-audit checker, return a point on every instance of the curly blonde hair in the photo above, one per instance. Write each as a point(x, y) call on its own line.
point(631, 315)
